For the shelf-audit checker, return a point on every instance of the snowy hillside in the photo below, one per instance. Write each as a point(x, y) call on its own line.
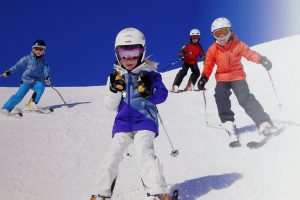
point(56, 156)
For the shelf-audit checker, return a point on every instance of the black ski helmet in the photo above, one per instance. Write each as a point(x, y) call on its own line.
point(39, 43)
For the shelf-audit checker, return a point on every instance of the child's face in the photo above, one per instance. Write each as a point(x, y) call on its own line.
point(222, 35)
point(129, 64)
point(195, 38)
point(223, 40)
point(38, 51)
point(129, 56)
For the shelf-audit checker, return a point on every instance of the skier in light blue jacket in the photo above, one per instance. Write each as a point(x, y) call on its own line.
point(36, 72)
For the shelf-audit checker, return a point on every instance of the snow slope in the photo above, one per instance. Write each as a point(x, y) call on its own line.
point(56, 156)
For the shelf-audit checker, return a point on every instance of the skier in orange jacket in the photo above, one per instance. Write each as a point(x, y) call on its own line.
point(226, 52)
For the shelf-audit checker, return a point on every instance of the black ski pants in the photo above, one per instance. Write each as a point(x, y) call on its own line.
point(183, 72)
point(247, 100)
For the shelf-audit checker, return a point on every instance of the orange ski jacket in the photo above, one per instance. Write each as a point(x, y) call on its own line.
point(228, 60)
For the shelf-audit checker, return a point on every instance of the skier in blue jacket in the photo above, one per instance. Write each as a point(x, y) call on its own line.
point(36, 72)
point(135, 87)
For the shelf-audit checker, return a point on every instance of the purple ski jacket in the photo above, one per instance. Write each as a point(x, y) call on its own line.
point(135, 112)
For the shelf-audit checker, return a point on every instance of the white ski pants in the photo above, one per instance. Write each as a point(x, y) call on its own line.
point(149, 166)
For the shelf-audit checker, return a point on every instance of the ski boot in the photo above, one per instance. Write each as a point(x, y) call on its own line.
point(31, 105)
point(189, 87)
point(265, 128)
point(4, 112)
point(174, 88)
point(164, 196)
point(231, 130)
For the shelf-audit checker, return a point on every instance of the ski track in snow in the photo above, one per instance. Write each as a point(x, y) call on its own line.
point(56, 156)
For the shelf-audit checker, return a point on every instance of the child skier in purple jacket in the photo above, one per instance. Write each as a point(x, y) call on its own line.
point(135, 89)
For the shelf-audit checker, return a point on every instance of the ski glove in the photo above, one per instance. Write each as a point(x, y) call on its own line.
point(144, 85)
point(6, 74)
point(117, 82)
point(201, 83)
point(47, 80)
point(266, 63)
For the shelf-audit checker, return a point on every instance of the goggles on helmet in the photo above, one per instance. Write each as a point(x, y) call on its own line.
point(195, 37)
point(129, 53)
point(38, 48)
point(221, 32)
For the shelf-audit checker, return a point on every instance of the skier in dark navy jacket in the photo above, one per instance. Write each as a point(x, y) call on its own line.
point(36, 72)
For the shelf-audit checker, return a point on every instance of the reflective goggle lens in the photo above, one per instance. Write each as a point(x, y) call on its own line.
point(38, 48)
point(220, 32)
point(129, 53)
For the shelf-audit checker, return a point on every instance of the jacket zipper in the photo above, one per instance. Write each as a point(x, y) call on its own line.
point(129, 97)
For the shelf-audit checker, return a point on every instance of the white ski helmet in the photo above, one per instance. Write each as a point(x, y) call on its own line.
point(195, 32)
point(131, 36)
point(220, 23)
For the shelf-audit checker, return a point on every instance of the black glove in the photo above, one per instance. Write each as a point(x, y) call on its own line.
point(201, 83)
point(117, 82)
point(6, 74)
point(47, 80)
point(181, 55)
point(144, 85)
point(266, 63)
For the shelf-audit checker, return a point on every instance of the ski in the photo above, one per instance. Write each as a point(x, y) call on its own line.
point(45, 110)
point(181, 91)
point(235, 144)
point(40, 110)
point(258, 144)
point(14, 114)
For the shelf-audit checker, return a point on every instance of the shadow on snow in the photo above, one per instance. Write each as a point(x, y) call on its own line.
point(69, 105)
point(193, 189)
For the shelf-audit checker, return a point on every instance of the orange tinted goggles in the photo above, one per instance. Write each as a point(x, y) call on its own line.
point(220, 32)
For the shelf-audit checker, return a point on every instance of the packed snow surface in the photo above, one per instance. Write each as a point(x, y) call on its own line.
point(56, 156)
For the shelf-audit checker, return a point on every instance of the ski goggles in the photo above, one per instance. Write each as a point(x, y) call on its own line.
point(39, 48)
point(221, 32)
point(129, 53)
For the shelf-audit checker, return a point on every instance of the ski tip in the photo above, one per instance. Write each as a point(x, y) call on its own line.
point(235, 144)
point(252, 145)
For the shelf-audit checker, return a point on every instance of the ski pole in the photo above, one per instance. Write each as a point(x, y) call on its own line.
point(274, 89)
point(58, 94)
point(174, 152)
point(205, 107)
point(171, 64)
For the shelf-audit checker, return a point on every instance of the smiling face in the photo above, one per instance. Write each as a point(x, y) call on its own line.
point(38, 51)
point(129, 64)
point(222, 36)
point(195, 38)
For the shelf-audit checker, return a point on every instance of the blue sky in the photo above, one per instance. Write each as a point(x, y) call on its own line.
point(80, 34)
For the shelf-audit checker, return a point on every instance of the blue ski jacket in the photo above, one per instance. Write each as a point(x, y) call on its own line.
point(36, 69)
point(135, 112)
